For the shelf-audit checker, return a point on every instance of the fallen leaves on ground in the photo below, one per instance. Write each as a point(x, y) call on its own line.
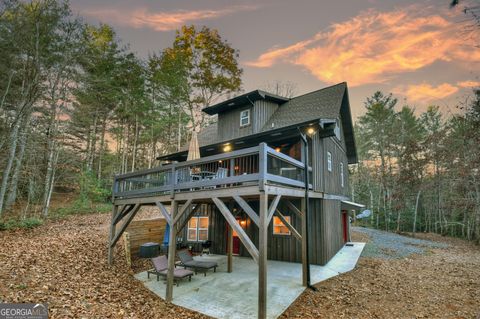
point(444, 283)
point(64, 263)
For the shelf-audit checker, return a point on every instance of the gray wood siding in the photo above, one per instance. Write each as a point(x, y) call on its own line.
point(325, 232)
point(324, 180)
point(262, 111)
point(332, 180)
point(229, 123)
point(318, 164)
point(331, 230)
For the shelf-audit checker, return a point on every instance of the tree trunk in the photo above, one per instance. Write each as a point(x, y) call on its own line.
point(415, 213)
point(179, 136)
point(13, 191)
point(92, 143)
point(48, 197)
point(477, 215)
point(102, 146)
point(13, 139)
point(135, 142)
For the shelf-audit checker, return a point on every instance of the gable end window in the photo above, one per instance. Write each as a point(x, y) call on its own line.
point(197, 229)
point(342, 176)
point(244, 118)
point(329, 161)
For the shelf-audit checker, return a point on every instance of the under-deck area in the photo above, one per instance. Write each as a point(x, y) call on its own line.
point(259, 174)
point(234, 295)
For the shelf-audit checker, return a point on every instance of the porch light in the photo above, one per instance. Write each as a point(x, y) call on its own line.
point(277, 149)
point(311, 131)
point(227, 148)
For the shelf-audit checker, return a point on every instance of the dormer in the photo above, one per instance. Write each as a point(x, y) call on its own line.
point(245, 114)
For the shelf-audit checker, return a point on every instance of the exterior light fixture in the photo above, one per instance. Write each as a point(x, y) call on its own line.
point(311, 131)
point(277, 149)
point(227, 148)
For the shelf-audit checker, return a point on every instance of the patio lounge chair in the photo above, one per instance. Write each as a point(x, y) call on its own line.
point(160, 268)
point(187, 261)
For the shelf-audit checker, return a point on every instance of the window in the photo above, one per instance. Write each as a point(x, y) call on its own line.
point(197, 229)
point(279, 227)
point(244, 118)
point(337, 131)
point(329, 161)
point(342, 177)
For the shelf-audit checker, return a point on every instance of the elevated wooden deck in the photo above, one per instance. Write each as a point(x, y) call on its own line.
point(245, 172)
point(259, 173)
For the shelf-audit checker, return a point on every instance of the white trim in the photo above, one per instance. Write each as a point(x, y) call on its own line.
point(342, 175)
point(329, 161)
point(245, 114)
point(197, 229)
point(288, 218)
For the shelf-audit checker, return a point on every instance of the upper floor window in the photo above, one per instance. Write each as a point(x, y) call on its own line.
point(197, 229)
point(337, 130)
point(329, 161)
point(279, 227)
point(244, 118)
point(342, 176)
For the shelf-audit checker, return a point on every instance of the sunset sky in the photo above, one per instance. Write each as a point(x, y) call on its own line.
point(418, 50)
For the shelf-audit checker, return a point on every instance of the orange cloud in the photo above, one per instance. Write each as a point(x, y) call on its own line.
point(425, 93)
point(468, 84)
point(162, 21)
point(373, 47)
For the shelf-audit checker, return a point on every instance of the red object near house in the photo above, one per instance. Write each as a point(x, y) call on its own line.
point(345, 225)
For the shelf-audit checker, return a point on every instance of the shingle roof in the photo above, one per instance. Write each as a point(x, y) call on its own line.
point(326, 103)
point(243, 99)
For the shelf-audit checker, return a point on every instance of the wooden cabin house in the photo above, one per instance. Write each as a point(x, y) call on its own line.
point(271, 182)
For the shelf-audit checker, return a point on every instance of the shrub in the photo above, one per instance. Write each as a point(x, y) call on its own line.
point(27, 223)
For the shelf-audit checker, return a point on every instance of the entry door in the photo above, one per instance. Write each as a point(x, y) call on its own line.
point(345, 226)
point(236, 240)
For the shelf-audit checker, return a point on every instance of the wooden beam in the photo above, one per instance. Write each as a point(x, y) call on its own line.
point(294, 209)
point(262, 259)
point(230, 249)
point(172, 245)
point(187, 217)
point(122, 213)
point(273, 207)
point(304, 245)
point(112, 234)
point(241, 233)
point(247, 209)
point(289, 226)
point(182, 211)
point(125, 224)
point(165, 213)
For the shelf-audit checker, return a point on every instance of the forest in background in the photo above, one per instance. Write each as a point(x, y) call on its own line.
point(78, 106)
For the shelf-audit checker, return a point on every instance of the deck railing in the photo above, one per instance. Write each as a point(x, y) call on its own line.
point(251, 166)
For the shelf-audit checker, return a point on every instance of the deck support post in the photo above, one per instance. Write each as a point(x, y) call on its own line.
point(172, 245)
point(246, 241)
point(230, 249)
point(262, 256)
point(112, 233)
point(304, 245)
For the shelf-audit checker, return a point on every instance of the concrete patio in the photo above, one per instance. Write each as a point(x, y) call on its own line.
point(234, 295)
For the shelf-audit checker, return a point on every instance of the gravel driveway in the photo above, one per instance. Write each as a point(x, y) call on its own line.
point(388, 245)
